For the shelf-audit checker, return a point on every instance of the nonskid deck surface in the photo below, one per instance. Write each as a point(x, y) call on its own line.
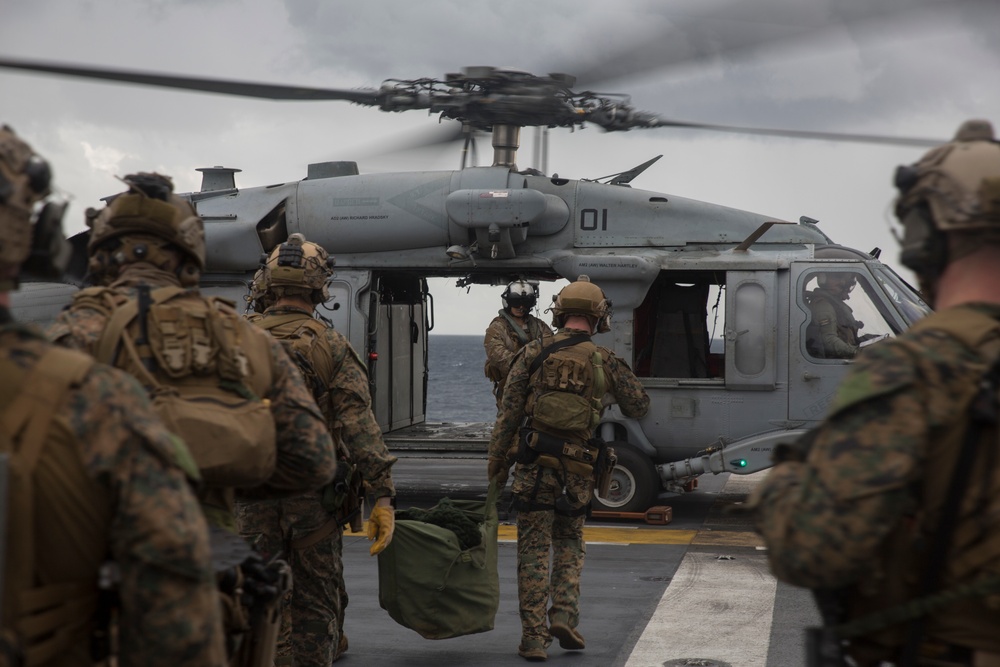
point(694, 592)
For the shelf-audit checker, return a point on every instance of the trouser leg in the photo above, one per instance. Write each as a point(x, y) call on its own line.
point(568, 552)
point(534, 540)
point(317, 578)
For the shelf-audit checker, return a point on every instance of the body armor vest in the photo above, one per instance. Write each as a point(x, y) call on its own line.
point(48, 486)
point(566, 390)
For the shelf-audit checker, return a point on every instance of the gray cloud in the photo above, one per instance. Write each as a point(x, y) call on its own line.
point(801, 64)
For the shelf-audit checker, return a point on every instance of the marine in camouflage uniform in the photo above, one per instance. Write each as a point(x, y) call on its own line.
point(862, 508)
point(109, 482)
point(307, 528)
point(154, 239)
point(549, 521)
point(512, 328)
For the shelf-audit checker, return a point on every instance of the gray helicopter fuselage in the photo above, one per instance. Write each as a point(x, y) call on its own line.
point(711, 304)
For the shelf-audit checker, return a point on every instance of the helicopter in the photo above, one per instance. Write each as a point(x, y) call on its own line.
point(711, 303)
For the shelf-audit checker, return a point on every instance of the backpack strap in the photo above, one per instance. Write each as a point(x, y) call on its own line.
point(555, 347)
point(522, 335)
point(44, 616)
point(107, 346)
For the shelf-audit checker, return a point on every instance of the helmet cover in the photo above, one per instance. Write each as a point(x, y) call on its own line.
point(582, 298)
point(298, 267)
point(24, 180)
point(144, 221)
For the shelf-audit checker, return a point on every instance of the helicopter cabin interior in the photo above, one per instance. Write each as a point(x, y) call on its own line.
point(676, 325)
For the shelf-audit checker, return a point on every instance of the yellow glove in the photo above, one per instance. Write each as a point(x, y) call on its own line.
point(498, 469)
point(381, 524)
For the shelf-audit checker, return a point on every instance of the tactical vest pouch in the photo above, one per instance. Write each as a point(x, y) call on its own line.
point(492, 372)
point(562, 411)
point(606, 462)
point(203, 393)
point(231, 439)
point(569, 385)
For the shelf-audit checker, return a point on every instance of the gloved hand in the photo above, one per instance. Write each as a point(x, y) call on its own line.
point(381, 524)
point(499, 470)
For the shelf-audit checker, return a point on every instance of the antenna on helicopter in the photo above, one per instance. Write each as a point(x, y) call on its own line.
point(625, 177)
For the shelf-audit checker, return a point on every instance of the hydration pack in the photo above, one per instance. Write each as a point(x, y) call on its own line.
point(206, 378)
point(567, 385)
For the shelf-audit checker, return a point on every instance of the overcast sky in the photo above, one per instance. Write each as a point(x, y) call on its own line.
point(796, 64)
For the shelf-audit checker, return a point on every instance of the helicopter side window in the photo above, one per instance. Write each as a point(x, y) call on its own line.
point(844, 314)
point(675, 326)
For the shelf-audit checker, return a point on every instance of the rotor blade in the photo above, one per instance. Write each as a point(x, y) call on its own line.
point(425, 139)
point(804, 134)
point(367, 96)
point(697, 36)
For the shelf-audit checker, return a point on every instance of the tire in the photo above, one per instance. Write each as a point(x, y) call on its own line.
point(634, 482)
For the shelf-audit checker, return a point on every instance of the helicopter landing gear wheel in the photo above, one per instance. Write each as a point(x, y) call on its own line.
point(634, 482)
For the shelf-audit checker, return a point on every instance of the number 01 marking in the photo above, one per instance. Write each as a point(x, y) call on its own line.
point(589, 219)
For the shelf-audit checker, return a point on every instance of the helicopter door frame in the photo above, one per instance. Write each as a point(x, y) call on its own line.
point(813, 380)
point(751, 330)
point(398, 338)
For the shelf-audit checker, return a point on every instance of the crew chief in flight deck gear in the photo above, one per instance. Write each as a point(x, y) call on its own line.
point(512, 328)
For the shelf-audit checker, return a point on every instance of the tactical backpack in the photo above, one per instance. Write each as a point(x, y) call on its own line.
point(40, 621)
point(206, 380)
point(567, 385)
point(343, 496)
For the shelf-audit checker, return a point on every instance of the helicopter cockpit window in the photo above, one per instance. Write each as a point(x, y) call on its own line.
point(902, 294)
point(845, 314)
point(678, 328)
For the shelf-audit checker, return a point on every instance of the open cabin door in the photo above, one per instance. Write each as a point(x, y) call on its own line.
point(398, 338)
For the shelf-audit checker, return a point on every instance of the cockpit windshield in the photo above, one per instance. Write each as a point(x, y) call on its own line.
point(906, 299)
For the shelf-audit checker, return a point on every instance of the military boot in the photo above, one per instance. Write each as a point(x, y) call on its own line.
point(568, 637)
point(532, 650)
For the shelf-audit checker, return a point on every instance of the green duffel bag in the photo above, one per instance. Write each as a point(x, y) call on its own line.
point(429, 583)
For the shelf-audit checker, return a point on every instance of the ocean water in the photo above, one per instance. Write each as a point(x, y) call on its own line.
point(457, 390)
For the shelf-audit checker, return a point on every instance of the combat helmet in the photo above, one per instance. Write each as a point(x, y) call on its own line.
point(953, 190)
point(582, 298)
point(147, 223)
point(259, 298)
point(30, 241)
point(519, 293)
point(298, 267)
point(838, 283)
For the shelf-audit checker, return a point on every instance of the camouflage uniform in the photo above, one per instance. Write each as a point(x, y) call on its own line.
point(544, 532)
point(838, 330)
point(828, 519)
point(314, 616)
point(503, 339)
point(120, 492)
point(305, 451)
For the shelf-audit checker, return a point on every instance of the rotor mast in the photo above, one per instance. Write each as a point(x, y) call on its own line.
point(506, 141)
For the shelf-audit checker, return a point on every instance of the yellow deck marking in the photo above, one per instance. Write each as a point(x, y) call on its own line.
point(639, 535)
point(727, 538)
